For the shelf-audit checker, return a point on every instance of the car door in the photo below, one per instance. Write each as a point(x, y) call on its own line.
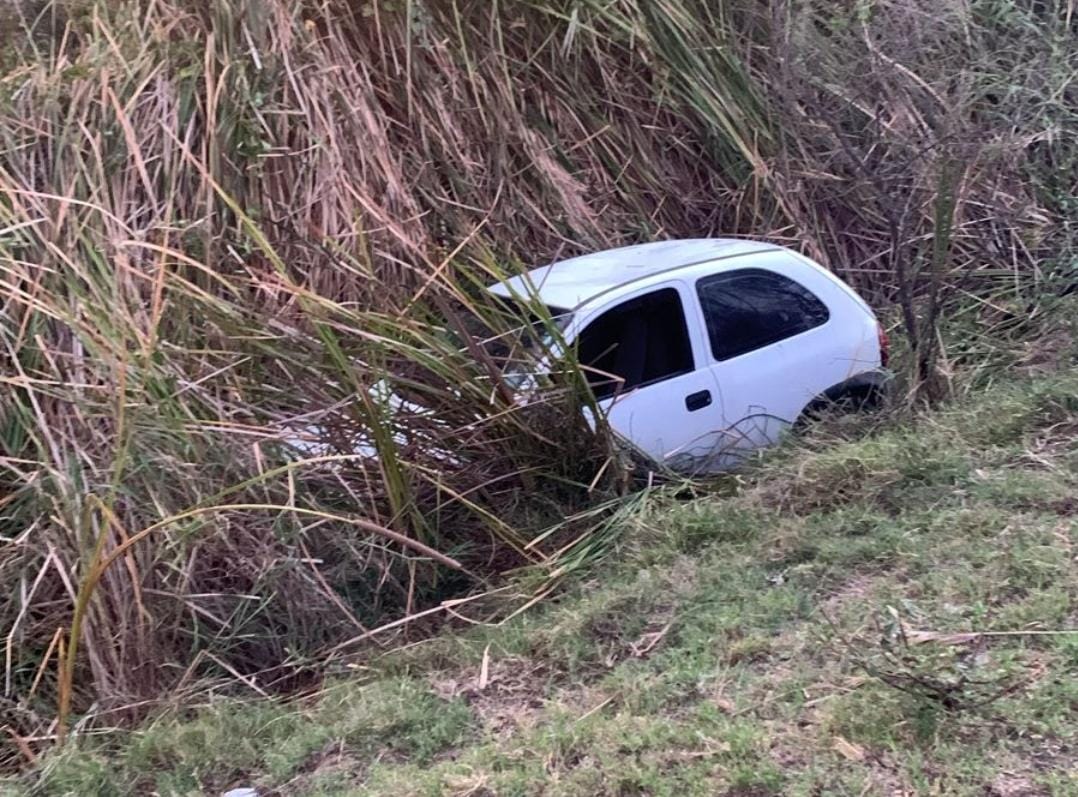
point(645, 360)
point(767, 345)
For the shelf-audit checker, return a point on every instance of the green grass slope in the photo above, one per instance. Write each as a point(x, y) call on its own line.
point(876, 613)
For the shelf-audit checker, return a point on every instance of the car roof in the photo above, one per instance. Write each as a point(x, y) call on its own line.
point(570, 283)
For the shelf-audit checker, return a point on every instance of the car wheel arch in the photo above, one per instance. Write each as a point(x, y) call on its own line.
point(866, 389)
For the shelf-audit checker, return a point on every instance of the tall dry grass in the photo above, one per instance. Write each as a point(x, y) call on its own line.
point(232, 223)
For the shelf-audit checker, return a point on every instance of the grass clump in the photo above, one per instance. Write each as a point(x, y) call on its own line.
point(228, 745)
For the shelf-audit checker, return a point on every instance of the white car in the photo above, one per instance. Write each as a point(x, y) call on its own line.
point(699, 351)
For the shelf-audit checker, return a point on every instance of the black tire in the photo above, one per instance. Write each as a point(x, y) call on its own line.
point(863, 398)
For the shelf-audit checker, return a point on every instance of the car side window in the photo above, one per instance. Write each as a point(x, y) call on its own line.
point(751, 308)
point(639, 342)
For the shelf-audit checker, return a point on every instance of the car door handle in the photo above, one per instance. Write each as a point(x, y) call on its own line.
point(697, 401)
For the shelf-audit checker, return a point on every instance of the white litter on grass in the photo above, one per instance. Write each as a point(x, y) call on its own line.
point(243, 791)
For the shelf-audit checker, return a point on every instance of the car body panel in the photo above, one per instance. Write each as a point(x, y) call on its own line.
point(658, 419)
point(765, 390)
point(606, 275)
point(755, 396)
point(709, 418)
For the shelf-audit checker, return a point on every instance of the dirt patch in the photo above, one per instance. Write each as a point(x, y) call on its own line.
point(886, 775)
point(857, 588)
point(790, 755)
point(506, 694)
point(1019, 773)
point(1012, 785)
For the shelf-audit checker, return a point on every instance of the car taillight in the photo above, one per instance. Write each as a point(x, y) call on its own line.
point(885, 345)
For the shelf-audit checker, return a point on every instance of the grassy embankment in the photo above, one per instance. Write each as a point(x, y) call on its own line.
point(875, 615)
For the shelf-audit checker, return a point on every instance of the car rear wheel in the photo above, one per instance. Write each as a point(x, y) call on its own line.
point(862, 398)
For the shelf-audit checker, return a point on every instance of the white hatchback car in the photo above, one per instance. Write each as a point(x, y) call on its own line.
point(700, 351)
